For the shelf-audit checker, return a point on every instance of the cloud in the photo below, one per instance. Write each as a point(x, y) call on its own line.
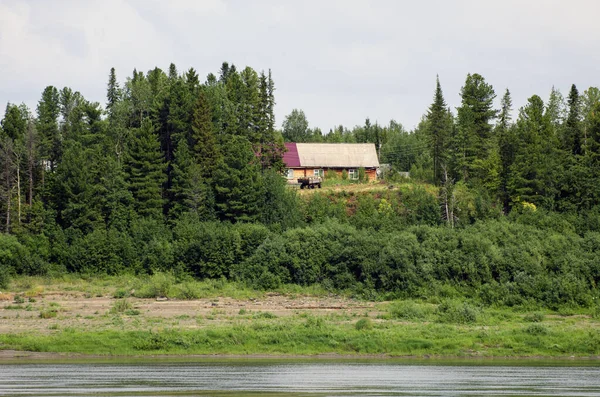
point(339, 61)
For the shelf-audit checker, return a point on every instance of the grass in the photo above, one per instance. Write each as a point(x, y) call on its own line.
point(315, 335)
point(443, 327)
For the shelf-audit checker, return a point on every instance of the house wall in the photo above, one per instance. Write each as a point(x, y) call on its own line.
point(302, 172)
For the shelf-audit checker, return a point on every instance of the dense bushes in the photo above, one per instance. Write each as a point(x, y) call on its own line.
point(496, 261)
point(385, 244)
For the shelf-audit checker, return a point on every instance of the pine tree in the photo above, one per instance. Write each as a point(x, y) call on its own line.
point(144, 169)
point(8, 164)
point(181, 186)
point(113, 93)
point(438, 132)
point(555, 109)
point(249, 114)
point(48, 111)
point(205, 148)
point(506, 146)
point(74, 190)
point(473, 143)
point(237, 181)
point(572, 135)
point(533, 173)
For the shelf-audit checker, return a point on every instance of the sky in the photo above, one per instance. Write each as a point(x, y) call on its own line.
point(338, 61)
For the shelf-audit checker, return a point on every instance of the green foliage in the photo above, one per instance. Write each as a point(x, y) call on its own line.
point(159, 285)
point(238, 182)
point(144, 169)
point(363, 324)
point(408, 310)
point(46, 314)
point(454, 312)
point(120, 306)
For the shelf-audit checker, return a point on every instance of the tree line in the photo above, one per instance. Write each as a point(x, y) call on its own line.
point(546, 157)
point(164, 145)
point(174, 174)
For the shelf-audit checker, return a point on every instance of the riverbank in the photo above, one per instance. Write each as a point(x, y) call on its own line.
point(104, 319)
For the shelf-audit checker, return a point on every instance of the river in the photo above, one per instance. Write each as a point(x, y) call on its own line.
point(287, 378)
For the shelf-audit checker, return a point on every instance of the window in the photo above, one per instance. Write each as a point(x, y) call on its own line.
point(353, 174)
point(289, 173)
point(319, 172)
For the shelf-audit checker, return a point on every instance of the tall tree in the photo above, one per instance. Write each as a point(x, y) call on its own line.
point(439, 128)
point(144, 168)
point(572, 135)
point(507, 147)
point(237, 181)
point(295, 127)
point(473, 142)
point(205, 148)
point(113, 92)
point(533, 173)
point(556, 109)
point(48, 111)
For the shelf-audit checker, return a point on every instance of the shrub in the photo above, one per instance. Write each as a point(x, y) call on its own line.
point(120, 306)
point(363, 324)
point(52, 313)
point(156, 286)
point(534, 318)
point(267, 315)
point(451, 312)
point(331, 175)
point(536, 329)
point(187, 291)
point(4, 277)
point(407, 310)
point(122, 293)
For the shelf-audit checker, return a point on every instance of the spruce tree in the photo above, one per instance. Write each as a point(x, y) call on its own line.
point(113, 92)
point(438, 132)
point(555, 109)
point(507, 147)
point(205, 148)
point(533, 173)
point(144, 169)
point(237, 181)
point(473, 142)
point(48, 111)
point(572, 135)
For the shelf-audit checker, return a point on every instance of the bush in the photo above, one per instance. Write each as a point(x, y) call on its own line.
point(4, 277)
point(452, 312)
point(52, 313)
point(407, 310)
point(363, 324)
point(157, 286)
point(536, 329)
point(534, 318)
point(120, 306)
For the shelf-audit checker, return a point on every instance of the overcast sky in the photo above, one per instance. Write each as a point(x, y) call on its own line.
point(339, 61)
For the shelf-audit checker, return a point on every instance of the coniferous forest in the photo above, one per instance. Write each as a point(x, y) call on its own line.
point(173, 174)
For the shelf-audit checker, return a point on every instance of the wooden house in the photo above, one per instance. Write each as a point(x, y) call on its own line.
point(316, 159)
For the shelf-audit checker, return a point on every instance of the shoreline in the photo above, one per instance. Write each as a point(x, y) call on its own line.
point(12, 356)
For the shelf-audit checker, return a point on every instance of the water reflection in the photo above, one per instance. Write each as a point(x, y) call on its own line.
point(294, 379)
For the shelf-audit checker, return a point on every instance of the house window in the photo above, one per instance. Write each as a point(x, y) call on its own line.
point(353, 174)
point(319, 172)
point(289, 173)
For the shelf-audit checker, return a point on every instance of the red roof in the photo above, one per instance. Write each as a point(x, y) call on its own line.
point(290, 157)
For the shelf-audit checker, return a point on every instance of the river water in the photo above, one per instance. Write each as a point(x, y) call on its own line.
point(272, 378)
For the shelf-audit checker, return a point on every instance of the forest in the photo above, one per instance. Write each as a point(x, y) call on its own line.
point(176, 175)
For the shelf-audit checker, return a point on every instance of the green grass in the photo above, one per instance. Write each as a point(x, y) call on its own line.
point(302, 336)
point(448, 327)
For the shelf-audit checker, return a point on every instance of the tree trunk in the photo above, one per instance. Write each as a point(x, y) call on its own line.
point(18, 194)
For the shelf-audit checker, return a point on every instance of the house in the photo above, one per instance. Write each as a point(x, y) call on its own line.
point(316, 159)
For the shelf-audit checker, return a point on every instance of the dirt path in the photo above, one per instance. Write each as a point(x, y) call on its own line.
point(94, 313)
